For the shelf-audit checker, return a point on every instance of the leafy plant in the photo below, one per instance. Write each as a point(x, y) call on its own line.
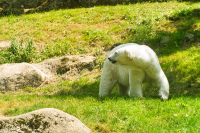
point(19, 52)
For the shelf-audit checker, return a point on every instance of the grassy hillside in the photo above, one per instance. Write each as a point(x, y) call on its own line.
point(91, 30)
point(171, 29)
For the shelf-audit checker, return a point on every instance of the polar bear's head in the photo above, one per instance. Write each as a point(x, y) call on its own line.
point(120, 57)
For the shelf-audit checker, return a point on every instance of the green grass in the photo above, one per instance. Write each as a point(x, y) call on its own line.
point(113, 114)
point(80, 31)
point(94, 30)
point(19, 52)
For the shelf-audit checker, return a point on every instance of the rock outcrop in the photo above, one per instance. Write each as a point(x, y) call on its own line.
point(69, 64)
point(47, 120)
point(17, 76)
point(4, 44)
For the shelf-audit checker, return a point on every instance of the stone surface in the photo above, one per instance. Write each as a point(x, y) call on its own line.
point(5, 44)
point(69, 64)
point(189, 37)
point(164, 40)
point(19, 75)
point(47, 120)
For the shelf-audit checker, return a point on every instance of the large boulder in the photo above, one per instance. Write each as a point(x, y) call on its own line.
point(4, 44)
point(19, 75)
point(67, 65)
point(48, 120)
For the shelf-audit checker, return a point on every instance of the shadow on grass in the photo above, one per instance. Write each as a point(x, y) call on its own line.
point(179, 33)
point(181, 85)
point(80, 88)
point(183, 81)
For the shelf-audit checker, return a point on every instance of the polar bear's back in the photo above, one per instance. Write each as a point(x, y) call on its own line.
point(122, 46)
point(139, 49)
point(142, 54)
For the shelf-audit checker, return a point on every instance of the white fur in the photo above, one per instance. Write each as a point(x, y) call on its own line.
point(134, 64)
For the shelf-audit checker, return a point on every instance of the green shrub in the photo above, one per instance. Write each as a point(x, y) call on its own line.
point(19, 52)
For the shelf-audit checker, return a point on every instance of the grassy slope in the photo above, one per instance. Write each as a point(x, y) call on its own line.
point(87, 30)
point(91, 30)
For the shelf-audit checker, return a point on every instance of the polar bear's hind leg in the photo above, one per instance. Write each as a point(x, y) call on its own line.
point(163, 84)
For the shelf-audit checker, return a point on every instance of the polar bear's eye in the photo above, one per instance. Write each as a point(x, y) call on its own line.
point(115, 52)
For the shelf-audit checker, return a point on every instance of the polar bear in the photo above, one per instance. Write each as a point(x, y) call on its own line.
point(129, 65)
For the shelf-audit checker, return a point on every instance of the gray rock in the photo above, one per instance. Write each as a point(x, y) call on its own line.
point(19, 75)
point(47, 120)
point(189, 37)
point(164, 40)
point(5, 44)
point(69, 64)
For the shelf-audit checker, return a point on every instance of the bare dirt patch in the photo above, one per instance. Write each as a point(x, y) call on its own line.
point(4, 44)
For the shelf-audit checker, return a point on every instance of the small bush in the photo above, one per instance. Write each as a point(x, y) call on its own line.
point(18, 52)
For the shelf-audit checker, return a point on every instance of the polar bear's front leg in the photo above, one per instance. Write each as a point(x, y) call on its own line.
point(108, 81)
point(136, 78)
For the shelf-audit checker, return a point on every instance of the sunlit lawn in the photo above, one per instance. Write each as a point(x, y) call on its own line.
point(94, 30)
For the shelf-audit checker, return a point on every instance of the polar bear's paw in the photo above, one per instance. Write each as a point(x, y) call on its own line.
point(164, 98)
point(164, 95)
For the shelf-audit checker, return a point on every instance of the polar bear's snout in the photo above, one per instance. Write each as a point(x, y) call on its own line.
point(112, 60)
